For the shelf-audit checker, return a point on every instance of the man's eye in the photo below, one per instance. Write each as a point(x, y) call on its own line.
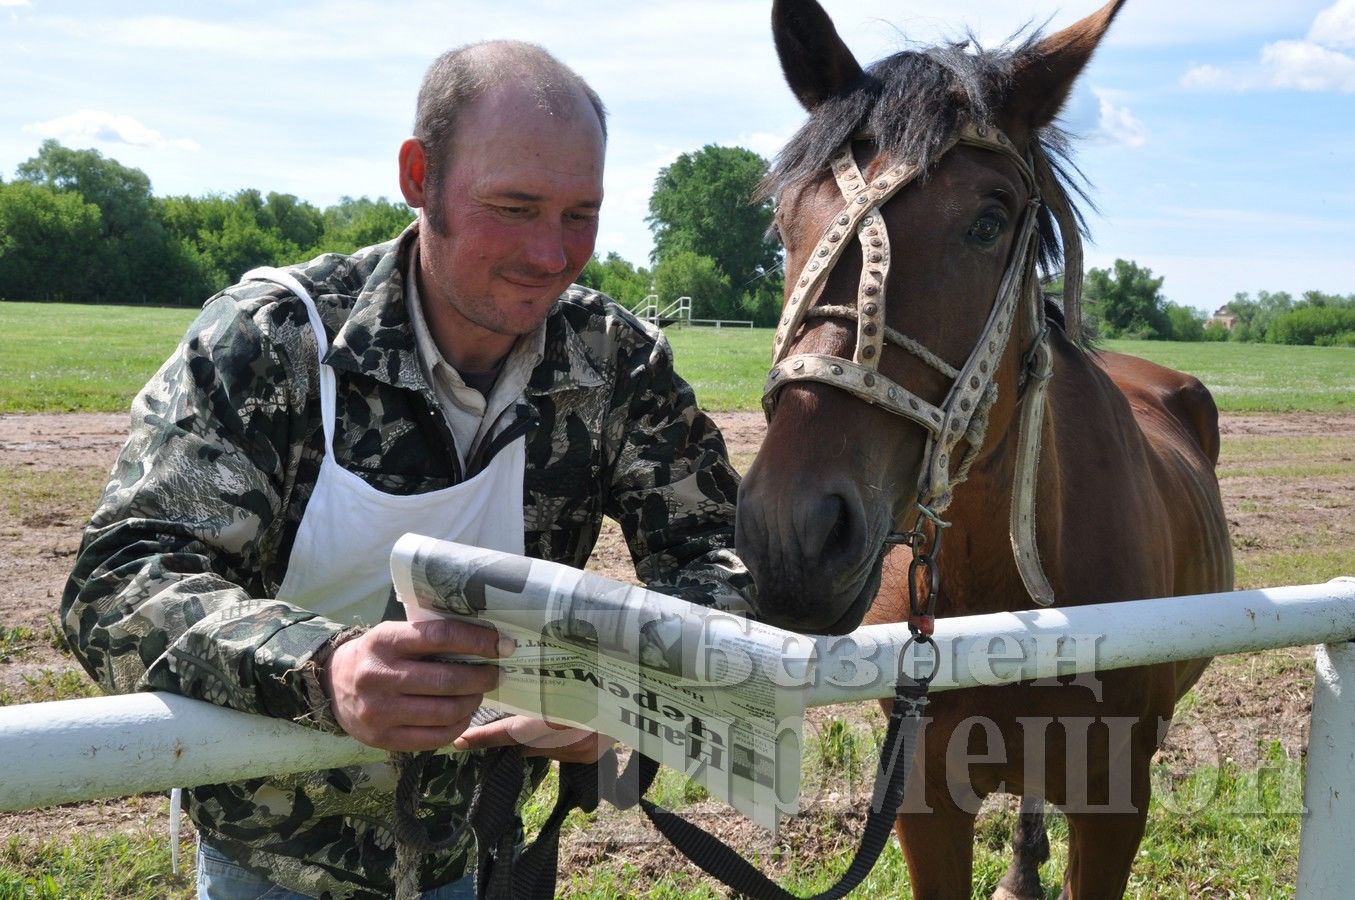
point(987, 229)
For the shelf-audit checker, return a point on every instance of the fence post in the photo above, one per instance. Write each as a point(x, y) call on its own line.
point(1328, 835)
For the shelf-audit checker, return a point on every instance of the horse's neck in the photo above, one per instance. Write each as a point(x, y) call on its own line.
point(979, 571)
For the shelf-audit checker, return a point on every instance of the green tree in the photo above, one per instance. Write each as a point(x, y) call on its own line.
point(1310, 324)
point(1184, 323)
point(353, 223)
point(128, 262)
point(1127, 301)
point(703, 204)
point(1215, 331)
point(45, 240)
point(688, 274)
point(294, 221)
point(618, 279)
point(1254, 316)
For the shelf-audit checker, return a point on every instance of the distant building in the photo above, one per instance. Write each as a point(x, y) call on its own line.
point(1223, 317)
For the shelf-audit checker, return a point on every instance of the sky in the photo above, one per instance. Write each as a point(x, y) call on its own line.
point(1219, 138)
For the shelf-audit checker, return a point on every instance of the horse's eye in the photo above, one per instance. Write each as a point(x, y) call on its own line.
point(987, 229)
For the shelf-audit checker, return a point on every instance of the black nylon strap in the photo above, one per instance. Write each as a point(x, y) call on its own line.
point(715, 857)
point(533, 875)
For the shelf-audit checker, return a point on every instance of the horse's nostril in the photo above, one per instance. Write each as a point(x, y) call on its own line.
point(829, 528)
point(841, 531)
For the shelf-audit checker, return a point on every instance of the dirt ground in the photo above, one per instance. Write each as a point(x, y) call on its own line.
point(1240, 705)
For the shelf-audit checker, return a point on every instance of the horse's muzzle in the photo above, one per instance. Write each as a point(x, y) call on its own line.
point(814, 553)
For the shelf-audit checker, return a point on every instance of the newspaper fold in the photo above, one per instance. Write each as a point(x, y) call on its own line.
point(713, 695)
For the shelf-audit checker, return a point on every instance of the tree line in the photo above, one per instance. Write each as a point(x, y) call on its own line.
point(1126, 301)
point(78, 227)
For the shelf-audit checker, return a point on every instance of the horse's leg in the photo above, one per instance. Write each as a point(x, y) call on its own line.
point(1101, 851)
point(939, 848)
point(1030, 848)
point(1102, 844)
point(938, 838)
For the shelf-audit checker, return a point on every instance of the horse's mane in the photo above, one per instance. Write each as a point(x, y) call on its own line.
point(912, 102)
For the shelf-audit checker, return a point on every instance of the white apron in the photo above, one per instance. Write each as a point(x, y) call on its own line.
point(339, 566)
point(340, 563)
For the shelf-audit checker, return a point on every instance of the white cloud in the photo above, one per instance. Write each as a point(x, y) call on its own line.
point(89, 125)
point(14, 3)
point(1119, 125)
point(1308, 67)
point(1316, 63)
point(1208, 77)
point(1335, 26)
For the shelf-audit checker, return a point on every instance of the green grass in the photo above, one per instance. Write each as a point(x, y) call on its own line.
point(26, 493)
point(62, 357)
point(117, 867)
point(1259, 377)
point(726, 367)
point(58, 357)
point(1292, 566)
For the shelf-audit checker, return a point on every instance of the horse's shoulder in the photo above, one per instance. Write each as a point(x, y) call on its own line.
point(1166, 402)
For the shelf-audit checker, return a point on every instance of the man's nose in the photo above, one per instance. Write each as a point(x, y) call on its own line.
point(546, 248)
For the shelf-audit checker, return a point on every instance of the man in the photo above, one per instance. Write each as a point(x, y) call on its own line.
point(466, 391)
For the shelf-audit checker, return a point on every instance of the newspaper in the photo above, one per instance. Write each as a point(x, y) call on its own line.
point(714, 695)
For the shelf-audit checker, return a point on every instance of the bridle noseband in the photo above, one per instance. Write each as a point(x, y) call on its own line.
point(964, 412)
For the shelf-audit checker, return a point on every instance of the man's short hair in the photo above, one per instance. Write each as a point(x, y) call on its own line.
point(459, 77)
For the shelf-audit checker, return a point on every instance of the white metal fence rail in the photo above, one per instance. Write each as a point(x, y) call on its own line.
point(75, 750)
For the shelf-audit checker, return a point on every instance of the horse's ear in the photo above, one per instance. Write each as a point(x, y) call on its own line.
point(816, 62)
point(1044, 79)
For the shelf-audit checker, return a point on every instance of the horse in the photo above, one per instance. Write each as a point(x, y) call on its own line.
point(923, 385)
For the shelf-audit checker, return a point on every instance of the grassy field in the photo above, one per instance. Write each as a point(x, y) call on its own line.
point(727, 369)
point(57, 357)
point(60, 357)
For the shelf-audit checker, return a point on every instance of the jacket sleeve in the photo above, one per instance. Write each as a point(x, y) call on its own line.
point(171, 583)
point(673, 489)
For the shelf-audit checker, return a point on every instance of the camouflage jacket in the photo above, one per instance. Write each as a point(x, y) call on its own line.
point(171, 588)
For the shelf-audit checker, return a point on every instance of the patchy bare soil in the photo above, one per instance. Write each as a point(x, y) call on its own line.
point(53, 466)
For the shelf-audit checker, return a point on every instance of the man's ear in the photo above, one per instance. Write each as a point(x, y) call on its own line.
point(413, 171)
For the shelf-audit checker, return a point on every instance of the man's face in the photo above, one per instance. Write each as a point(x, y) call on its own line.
point(519, 199)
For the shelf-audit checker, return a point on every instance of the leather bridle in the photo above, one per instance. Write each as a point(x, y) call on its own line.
point(964, 411)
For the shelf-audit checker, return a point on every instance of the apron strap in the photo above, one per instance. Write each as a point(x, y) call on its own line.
point(328, 384)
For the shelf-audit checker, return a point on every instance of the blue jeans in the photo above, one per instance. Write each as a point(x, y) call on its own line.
point(221, 879)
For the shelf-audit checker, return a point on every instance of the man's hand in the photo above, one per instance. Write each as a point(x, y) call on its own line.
point(385, 693)
point(538, 738)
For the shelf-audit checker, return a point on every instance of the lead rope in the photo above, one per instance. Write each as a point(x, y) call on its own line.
point(715, 858)
point(907, 717)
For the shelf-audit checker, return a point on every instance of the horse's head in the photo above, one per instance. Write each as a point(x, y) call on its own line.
point(914, 205)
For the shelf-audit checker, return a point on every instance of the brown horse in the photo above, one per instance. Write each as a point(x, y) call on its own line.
point(919, 367)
